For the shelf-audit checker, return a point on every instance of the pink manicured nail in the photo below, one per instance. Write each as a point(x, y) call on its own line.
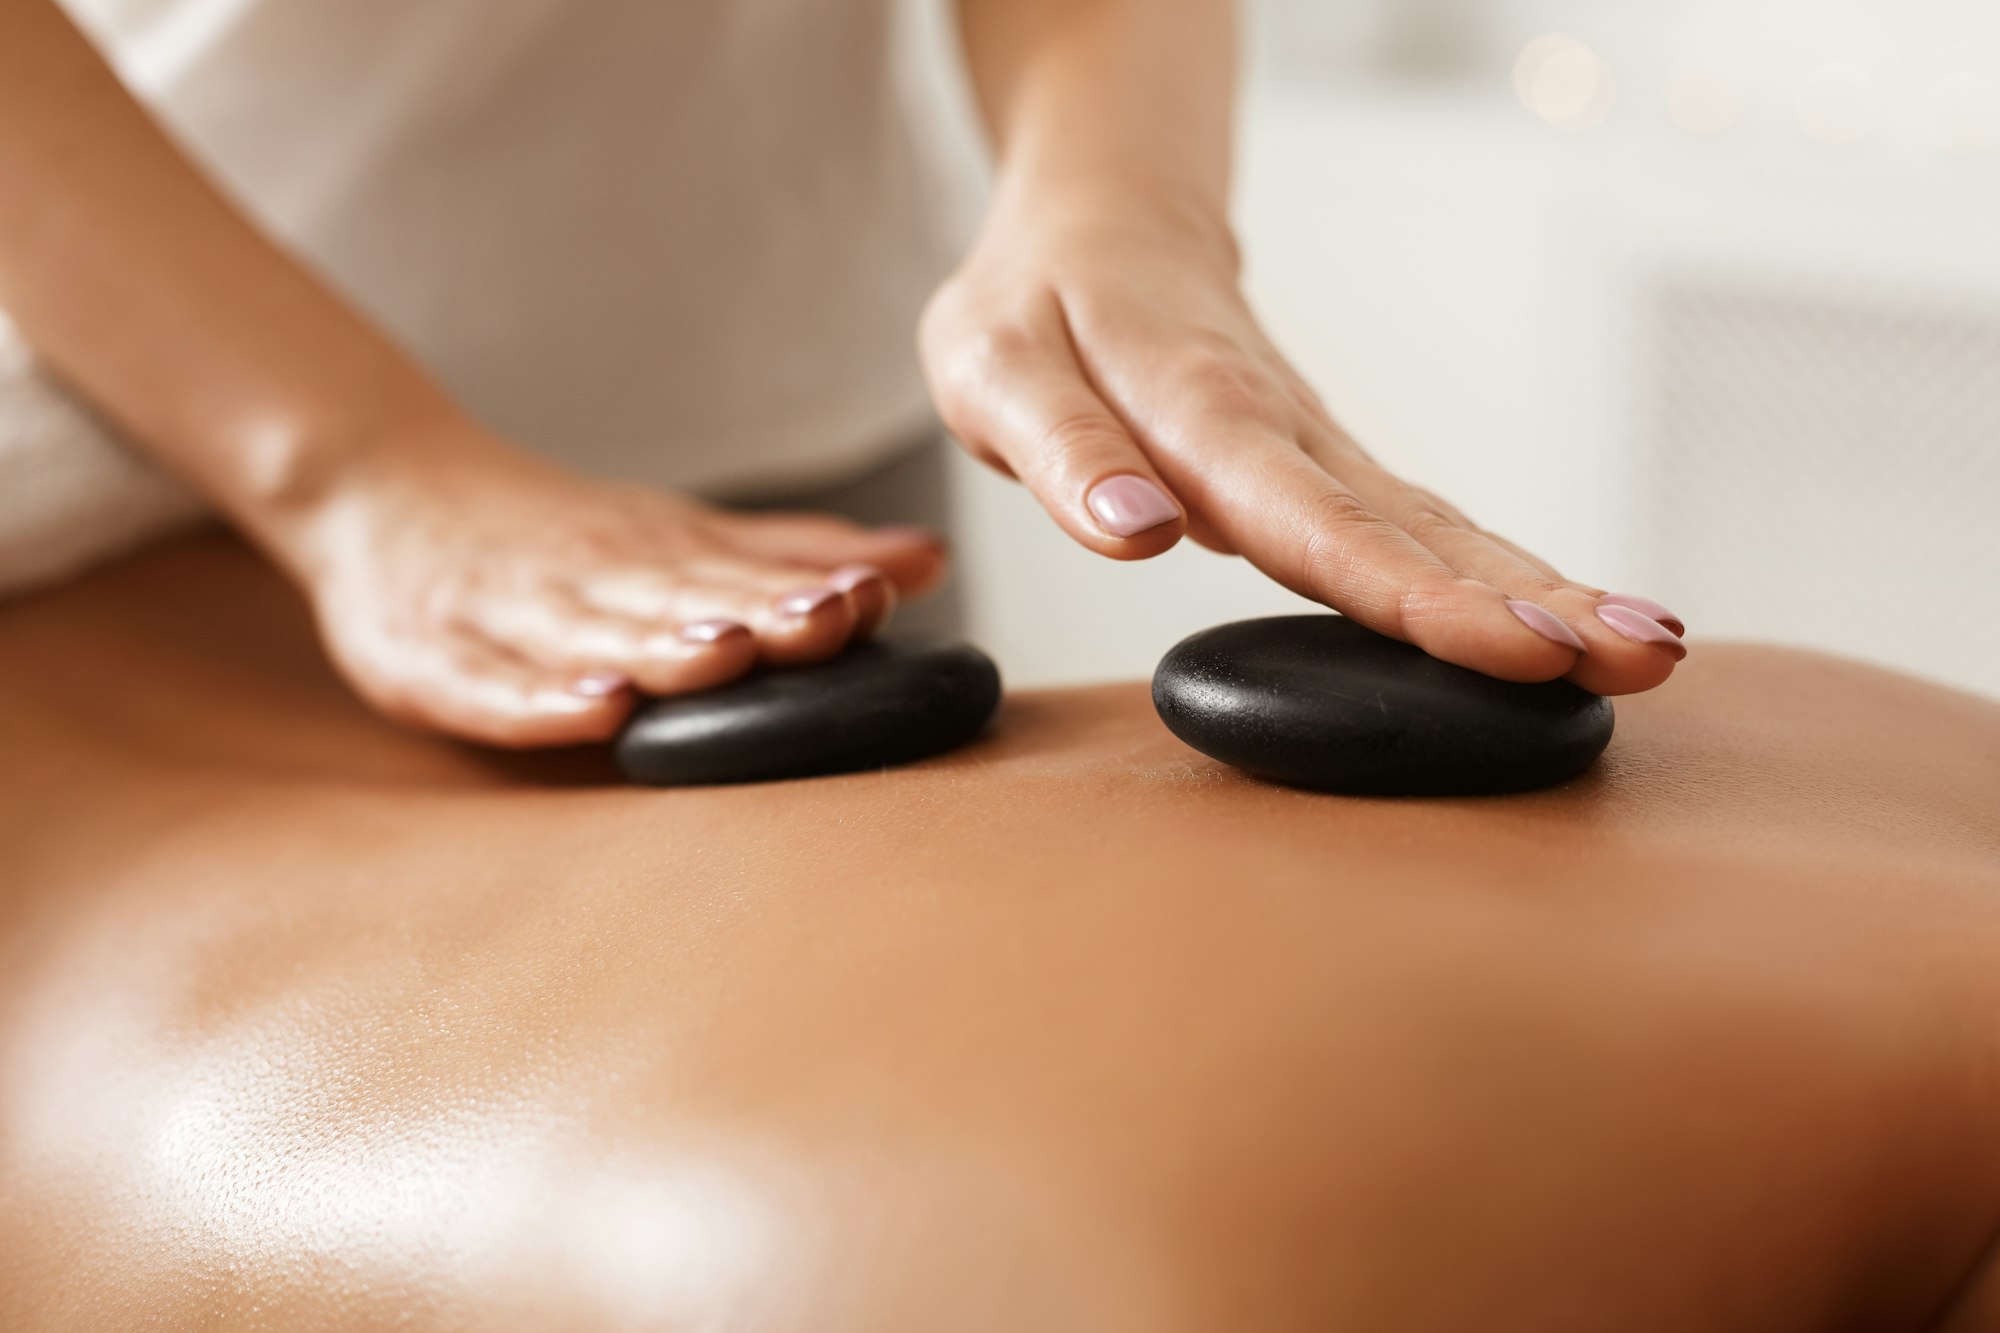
point(806, 601)
point(1546, 623)
point(709, 631)
point(1646, 606)
point(849, 577)
point(1126, 506)
point(1639, 628)
point(599, 683)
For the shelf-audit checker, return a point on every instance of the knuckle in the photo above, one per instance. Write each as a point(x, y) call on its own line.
point(1430, 601)
point(966, 371)
point(942, 316)
point(1079, 433)
point(1229, 385)
point(1416, 606)
point(990, 348)
point(1430, 527)
point(1336, 516)
point(1334, 522)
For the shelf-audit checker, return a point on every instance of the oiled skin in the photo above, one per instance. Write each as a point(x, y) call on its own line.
point(309, 1024)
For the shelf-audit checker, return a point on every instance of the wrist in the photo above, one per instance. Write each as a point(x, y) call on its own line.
point(1148, 208)
point(300, 480)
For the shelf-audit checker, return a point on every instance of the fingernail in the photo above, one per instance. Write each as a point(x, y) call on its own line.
point(1646, 606)
point(1546, 623)
point(849, 577)
point(599, 683)
point(709, 631)
point(1126, 506)
point(1640, 628)
point(806, 601)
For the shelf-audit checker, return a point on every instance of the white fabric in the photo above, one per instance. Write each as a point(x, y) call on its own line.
point(679, 240)
point(69, 495)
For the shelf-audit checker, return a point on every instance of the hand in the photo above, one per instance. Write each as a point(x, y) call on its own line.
point(1103, 354)
point(462, 585)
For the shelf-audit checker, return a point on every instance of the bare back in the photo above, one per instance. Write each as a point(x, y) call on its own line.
point(306, 1022)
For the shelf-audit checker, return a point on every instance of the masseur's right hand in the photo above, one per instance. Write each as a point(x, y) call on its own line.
point(1096, 344)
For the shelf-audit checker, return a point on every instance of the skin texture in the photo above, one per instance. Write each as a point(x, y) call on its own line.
point(1095, 331)
point(311, 1023)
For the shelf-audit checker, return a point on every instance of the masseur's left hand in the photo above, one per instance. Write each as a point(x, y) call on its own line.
point(1099, 350)
point(1096, 345)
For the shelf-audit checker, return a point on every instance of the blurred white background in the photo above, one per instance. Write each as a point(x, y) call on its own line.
point(1699, 300)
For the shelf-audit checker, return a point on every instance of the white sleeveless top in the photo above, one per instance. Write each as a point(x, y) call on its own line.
point(679, 240)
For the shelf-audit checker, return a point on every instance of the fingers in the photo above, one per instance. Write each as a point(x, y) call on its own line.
point(460, 683)
point(1026, 399)
point(710, 614)
point(913, 559)
point(556, 661)
point(559, 632)
point(795, 614)
point(1313, 534)
point(1614, 654)
point(1018, 397)
point(1148, 427)
point(554, 664)
point(870, 593)
point(1226, 427)
point(809, 624)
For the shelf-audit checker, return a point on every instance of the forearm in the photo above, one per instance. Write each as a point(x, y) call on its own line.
point(141, 285)
point(1108, 96)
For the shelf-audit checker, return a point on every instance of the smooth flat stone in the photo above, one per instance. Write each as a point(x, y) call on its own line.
point(1322, 702)
point(875, 705)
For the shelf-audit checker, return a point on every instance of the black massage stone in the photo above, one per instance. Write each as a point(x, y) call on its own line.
point(1322, 702)
point(875, 705)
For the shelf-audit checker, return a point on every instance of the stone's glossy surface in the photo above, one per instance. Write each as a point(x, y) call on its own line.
point(875, 705)
point(1323, 702)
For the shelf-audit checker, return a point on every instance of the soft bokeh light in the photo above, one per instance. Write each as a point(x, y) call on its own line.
point(1836, 104)
point(1564, 82)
